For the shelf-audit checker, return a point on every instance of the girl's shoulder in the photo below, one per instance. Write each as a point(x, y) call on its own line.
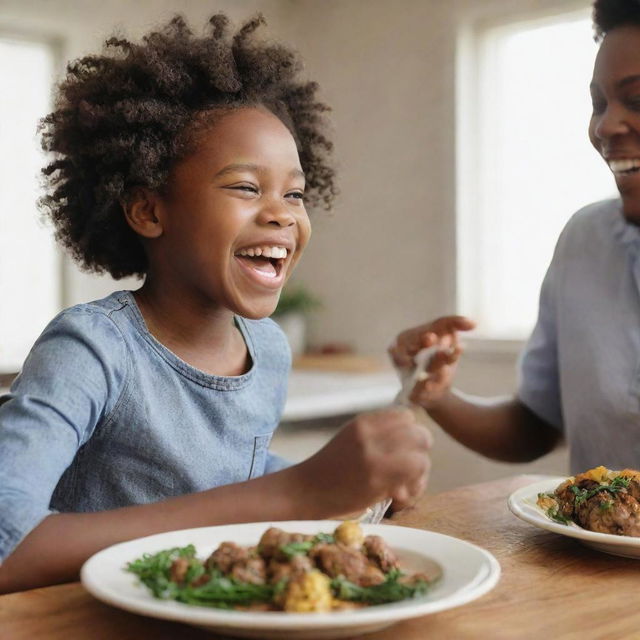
point(94, 323)
point(265, 337)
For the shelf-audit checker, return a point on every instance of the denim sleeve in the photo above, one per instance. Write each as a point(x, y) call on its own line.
point(539, 378)
point(70, 381)
point(275, 463)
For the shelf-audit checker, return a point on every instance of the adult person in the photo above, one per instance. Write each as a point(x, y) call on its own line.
point(580, 371)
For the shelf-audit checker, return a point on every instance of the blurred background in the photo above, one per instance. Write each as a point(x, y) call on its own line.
point(461, 148)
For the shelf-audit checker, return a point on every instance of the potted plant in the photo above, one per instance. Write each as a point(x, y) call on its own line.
point(296, 301)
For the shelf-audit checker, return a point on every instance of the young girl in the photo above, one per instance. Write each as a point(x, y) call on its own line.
point(186, 160)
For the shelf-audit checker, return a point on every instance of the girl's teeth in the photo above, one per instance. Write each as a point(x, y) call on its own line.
point(265, 252)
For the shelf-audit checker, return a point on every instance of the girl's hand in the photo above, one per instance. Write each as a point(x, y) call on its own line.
point(442, 332)
point(376, 455)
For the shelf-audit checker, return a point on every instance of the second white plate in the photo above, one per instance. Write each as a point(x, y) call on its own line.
point(522, 503)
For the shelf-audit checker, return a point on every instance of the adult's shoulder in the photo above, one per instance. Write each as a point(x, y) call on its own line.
point(593, 224)
point(601, 215)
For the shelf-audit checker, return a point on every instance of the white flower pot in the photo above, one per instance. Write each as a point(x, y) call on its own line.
point(294, 326)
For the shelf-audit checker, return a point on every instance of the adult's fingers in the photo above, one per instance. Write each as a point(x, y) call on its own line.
point(450, 324)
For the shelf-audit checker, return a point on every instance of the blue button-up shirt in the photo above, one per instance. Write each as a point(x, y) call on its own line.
point(103, 416)
point(581, 368)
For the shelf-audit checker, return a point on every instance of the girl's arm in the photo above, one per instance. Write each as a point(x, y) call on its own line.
point(375, 456)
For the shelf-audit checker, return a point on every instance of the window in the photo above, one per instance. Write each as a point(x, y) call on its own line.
point(30, 269)
point(525, 164)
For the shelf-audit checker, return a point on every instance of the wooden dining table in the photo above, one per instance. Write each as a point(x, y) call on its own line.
point(551, 586)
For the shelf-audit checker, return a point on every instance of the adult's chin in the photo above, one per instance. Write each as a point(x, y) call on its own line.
point(631, 208)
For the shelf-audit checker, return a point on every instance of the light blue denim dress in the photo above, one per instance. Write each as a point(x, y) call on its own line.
point(104, 416)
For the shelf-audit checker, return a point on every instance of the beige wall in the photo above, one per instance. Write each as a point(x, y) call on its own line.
point(386, 258)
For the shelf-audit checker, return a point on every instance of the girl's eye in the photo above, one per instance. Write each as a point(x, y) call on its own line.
point(248, 188)
point(296, 195)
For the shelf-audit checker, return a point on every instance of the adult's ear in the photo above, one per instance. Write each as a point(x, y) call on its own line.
point(141, 211)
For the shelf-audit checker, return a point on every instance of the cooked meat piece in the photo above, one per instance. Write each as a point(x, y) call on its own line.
point(379, 552)
point(634, 482)
point(203, 579)
point(349, 533)
point(178, 570)
point(371, 576)
point(277, 569)
point(300, 564)
point(338, 560)
point(274, 538)
point(617, 513)
point(252, 570)
point(225, 556)
point(567, 496)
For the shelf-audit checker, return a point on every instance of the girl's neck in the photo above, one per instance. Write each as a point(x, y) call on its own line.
point(205, 337)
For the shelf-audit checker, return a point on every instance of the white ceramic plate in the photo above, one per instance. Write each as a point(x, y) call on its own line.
point(522, 503)
point(467, 573)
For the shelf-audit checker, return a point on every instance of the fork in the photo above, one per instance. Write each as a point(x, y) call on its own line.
point(408, 378)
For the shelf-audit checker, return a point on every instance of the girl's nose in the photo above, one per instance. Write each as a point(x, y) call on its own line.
point(277, 213)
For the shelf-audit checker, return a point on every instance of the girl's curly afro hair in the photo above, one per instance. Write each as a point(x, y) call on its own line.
point(123, 118)
point(609, 14)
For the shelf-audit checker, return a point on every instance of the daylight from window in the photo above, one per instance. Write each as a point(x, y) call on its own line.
point(528, 166)
point(29, 264)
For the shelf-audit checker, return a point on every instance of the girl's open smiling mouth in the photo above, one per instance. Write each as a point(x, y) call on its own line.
point(264, 264)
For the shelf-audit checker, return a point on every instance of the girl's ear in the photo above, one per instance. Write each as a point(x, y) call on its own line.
point(140, 210)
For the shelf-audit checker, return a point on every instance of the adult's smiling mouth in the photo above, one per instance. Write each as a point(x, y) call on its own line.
point(624, 166)
point(264, 262)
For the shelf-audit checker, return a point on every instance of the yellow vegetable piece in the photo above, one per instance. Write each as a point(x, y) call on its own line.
point(349, 533)
point(309, 592)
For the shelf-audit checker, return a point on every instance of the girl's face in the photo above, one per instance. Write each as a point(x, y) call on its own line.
point(615, 124)
point(233, 218)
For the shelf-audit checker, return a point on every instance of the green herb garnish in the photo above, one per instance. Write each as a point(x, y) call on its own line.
point(302, 548)
point(617, 485)
point(391, 590)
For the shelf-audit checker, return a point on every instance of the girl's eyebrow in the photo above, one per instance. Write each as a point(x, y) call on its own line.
point(253, 168)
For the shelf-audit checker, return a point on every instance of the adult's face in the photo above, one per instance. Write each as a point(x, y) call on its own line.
point(614, 129)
